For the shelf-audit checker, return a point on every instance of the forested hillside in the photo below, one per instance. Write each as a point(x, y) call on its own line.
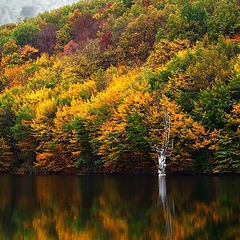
point(84, 87)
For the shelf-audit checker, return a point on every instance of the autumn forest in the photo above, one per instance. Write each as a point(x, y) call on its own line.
point(83, 88)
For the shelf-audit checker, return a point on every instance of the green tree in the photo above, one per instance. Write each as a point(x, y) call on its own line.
point(213, 105)
point(225, 19)
point(189, 21)
point(27, 33)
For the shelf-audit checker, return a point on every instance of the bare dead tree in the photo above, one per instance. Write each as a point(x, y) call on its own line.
point(162, 154)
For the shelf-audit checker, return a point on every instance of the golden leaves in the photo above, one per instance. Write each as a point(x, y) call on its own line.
point(164, 51)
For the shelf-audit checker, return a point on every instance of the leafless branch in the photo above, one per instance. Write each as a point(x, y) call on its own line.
point(162, 153)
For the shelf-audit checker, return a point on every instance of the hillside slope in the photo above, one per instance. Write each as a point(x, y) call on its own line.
point(84, 87)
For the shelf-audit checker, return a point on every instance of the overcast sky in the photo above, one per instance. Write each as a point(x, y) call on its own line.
point(11, 10)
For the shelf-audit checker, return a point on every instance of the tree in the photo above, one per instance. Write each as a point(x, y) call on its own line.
point(139, 37)
point(162, 154)
point(225, 19)
point(8, 142)
point(188, 22)
point(83, 27)
point(27, 33)
point(46, 40)
point(213, 106)
point(71, 48)
point(106, 39)
point(164, 50)
point(10, 47)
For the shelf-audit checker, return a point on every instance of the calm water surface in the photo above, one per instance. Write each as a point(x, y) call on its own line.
point(119, 208)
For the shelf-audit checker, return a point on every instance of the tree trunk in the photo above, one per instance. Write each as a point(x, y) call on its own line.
point(162, 154)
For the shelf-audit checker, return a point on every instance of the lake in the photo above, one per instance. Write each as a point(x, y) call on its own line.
point(119, 208)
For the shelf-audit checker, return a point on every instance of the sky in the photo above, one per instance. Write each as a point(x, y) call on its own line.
point(12, 10)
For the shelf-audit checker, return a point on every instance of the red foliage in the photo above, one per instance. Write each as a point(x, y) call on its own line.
point(109, 5)
point(106, 39)
point(47, 38)
point(71, 48)
point(84, 27)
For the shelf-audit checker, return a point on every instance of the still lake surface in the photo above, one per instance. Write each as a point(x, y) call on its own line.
point(119, 208)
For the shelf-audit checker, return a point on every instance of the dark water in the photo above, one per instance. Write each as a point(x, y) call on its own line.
point(119, 208)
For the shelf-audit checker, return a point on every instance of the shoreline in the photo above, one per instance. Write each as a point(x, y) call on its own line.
point(172, 174)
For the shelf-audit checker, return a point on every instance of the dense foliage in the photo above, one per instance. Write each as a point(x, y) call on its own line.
point(84, 87)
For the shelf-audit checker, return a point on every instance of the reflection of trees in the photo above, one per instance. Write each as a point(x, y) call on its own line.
point(207, 215)
point(125, 208)
point(16, 207)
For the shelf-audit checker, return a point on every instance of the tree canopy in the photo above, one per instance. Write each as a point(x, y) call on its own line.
point(83, 88)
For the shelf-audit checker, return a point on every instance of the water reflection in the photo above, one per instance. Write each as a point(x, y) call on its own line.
point(163, 196)
point(119, 208)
